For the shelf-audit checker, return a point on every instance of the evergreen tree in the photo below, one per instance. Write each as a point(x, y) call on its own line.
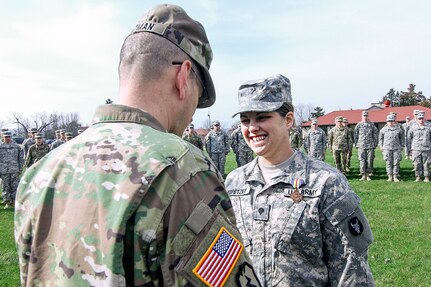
point(318, 112)
point(394, 97)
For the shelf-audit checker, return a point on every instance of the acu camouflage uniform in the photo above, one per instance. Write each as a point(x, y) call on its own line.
point(315, 143)
point(26, 144)
point(11, 164)
point(391, 142)
point(350, 150)
point(217, 145)
point(194, 139)
point(56, 143)
point(35, 153)
point(243, 153)
point(295, 139)
point(339, 142)
point(419, 143)
point(366, 140)
point(316, 236)
point(125, 204)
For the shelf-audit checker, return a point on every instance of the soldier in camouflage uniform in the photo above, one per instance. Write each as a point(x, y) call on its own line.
point(339, 140)
point(217, 146)
point(352, 135)
point(57, 141)
point(28, 142)
point(419, 139)
point(405, 127)
point(315, 142)
point(301, 222)
point(36, 151)
point(11, 164)
point(243, 153)
point(391, 142)
point(366, 140)
point(192, 137)
point(295, 138)
point(128, 202)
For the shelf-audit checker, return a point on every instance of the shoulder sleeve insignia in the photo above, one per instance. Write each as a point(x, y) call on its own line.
point(355, 226)
point(218, 261)
point(246, 277)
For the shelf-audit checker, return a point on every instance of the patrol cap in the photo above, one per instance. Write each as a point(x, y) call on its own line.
point(173, 23)
point(390, 118)
point(6, 133)
point(415, 112)
point(314, 122)
point(407, 117)
point(38, 136)
point(421, 115)
point(32, 130)
point(339, 119)
point(69, 135)
point(365, 113)
point(80, 131)
point(393, 113)
point(215, 123)
point(57, 131)
point(4, 130)
point(191, 126)
point(264, 95)
point(345, 120)
point(62, 131)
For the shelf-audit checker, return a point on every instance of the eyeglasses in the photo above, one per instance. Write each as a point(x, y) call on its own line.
point(197, 76)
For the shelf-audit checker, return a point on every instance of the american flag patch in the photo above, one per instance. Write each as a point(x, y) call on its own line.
point(218, 261)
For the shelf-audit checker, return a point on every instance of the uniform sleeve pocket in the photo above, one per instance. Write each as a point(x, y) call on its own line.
point(347, 216)
point(211, 249)
point(289, 226)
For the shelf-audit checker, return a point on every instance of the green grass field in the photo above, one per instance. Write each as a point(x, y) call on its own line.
point(399, 214)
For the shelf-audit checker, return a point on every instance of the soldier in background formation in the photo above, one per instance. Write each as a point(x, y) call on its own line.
point(315, 142)
point(57, 142)
point(36, 151)
point(217, 145)
point(28, 142)
point(11, 164)
point(352, 136)
point(391, 142)
point(366, 140)
point(296, 138)
point(243, 153)
point(339, 141)
point(192, 137)
point(405, 127)
point(69, 136)
point(419, 143)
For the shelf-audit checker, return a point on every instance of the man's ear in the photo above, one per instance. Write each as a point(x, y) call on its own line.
point(181, 80)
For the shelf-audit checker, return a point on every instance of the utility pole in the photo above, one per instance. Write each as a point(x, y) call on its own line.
point(209, 120)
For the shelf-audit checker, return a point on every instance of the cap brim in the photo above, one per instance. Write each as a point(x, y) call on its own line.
point(253, 108)
point(210, 98)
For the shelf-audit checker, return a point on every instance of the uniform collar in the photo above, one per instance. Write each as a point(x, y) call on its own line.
point(120, 113)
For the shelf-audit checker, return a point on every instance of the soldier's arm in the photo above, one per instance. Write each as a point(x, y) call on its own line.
point(346, 239)
point(28, 159)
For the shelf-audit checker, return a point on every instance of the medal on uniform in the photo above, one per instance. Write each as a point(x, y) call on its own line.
point(296, 196)
point(261, 212)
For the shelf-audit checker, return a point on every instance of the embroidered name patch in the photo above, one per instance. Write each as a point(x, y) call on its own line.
point(219, 260)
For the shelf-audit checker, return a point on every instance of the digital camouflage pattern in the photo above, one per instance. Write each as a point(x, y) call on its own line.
point(419, 142)
point(56, 143)
point(264, 95)
point(123, 204)
point(243, 153)
point(317, 236)
point(295, 139)
point(35, 153)
point(366, 140)
point(194, 139)
point(11, 164)
point(174, 24)
point(26, 144)
point(339, 140)
point(391, 142)
point(351, 143)
point(218, 146)
point(315, 143)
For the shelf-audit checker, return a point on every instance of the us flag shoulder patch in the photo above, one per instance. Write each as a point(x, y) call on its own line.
point(219, 260)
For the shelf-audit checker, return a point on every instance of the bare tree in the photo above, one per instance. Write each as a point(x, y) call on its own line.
point(303, 113)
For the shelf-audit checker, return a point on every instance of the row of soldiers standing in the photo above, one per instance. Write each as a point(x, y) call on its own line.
point(14, 158)
point(414, 135)
point(218, 144)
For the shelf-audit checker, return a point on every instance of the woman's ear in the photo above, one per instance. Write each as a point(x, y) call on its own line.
point(290, 120)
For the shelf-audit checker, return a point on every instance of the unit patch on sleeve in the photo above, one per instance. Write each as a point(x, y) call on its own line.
point(355, 226)
point(246, 277)
point(217, 263)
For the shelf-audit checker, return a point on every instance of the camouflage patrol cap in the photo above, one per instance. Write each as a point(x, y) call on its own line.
point(339, 119)
point(215, 123)
point(365, 113)
point(264, 95)
point(69, 135)
point(4, 130)
point(421, 115)
point(6, 134)
point(173, 23)
point(314, 122)
point(32, 130)
point(62, 131)
point(191, 126)
point(80, 131)
point(415, 112)
point(393, 113)
point(57, 131)
point(345, 120)
point(38, 136)
point(390, 118)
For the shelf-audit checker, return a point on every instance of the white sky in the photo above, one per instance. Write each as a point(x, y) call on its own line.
point(62, 56)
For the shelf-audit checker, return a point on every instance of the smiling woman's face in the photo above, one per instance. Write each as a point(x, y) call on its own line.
point(267, 134)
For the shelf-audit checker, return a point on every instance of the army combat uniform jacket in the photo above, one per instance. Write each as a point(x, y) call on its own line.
point(35, 153)
point(304, 228)
point(127, 204)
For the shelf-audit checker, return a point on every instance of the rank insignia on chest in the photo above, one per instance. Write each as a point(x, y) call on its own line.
point(218, 261)
point(261, 212)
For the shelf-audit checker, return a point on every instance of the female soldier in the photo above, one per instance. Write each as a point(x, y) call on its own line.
point(301, 222)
